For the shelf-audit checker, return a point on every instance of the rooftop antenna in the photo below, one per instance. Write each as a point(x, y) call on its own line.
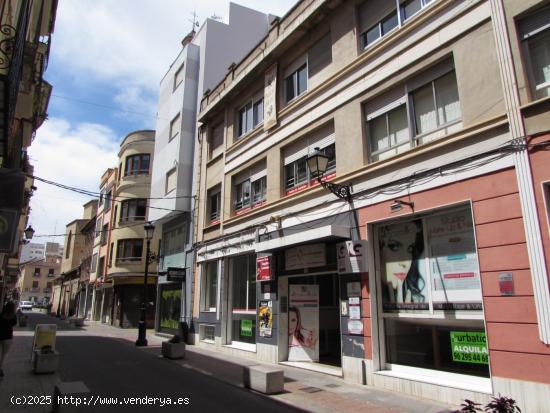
point(194, 22)
point(215, 17)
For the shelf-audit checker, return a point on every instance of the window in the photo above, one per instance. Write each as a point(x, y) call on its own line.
point(249, 188)
point(133, 210)
point(137, 164)
point(250, 115)
point(108, 197)
point(51, 272)
point(104, 234)
point(175, 126)
point(179, 76)
point(534, 32)
point(34, 285)
point(37, 272)
point(129, 249)
point(430, 292)
point(171, 180)
point(207, 333)
point(101, 267)
point(93, 267)
point(297, 175)
point(210, 286)
point(215, 146)
point(432, 107)
point(295, 83)
point(379, 17)
point(174, 241)
point(243, 298)
point(98, 225)
point(214, 206)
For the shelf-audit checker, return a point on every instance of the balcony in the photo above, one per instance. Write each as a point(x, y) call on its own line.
point(47, 290)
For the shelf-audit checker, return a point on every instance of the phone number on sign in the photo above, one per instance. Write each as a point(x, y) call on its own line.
point(98, 401)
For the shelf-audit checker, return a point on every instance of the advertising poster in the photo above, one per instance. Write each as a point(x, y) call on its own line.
point(303, 323)
point(404, 284)
point(265, 318)
point(44, 336)
point(469, 347)
point(355, 327)
point(453, 261)
point(263, 268)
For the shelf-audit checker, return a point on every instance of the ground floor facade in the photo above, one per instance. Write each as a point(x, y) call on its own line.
point(434, 297)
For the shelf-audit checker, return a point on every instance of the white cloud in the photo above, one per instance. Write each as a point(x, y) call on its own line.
point(74, 155)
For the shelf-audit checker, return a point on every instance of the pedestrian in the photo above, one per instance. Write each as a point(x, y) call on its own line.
point(7, 321)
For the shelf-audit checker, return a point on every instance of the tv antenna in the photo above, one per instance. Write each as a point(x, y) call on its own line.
point(215, 17)
point(194, 22)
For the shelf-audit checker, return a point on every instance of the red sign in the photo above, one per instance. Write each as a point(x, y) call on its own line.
point(263, 268)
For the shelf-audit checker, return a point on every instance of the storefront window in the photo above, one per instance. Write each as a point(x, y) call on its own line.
point(243, 303)
point(430, 296)
point(170, 307)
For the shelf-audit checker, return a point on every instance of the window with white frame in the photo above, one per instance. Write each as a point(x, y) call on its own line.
point(250, 115)
point(297, 176)
point(210, 286)
point(171, 180)
point(430, 293)
point(377, 18)
point(178, 77)
point(214, 206)
point(534, 32)
point(250, 188)
point(175, 126)
point(94, 263)
point(296, 80)
point(425, 108)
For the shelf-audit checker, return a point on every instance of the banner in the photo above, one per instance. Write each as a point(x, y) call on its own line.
point(303, 323)
point(352, 257)
point(469, 347)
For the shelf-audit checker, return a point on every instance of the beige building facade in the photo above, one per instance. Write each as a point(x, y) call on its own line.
point(427, 112)
point(36, 279)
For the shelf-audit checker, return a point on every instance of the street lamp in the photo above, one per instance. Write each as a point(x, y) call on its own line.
point(317, 163)
point(142, 339)
point(29, 232)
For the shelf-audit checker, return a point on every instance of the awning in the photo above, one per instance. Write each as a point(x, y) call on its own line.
point(316, 234)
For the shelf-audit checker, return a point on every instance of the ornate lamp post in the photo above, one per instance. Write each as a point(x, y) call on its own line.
point(142, 339)
point(317, 163)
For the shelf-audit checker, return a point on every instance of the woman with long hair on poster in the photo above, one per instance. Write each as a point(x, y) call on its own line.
point(297, 334)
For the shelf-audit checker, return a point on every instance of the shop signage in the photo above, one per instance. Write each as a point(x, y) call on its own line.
point(352, 257)
point(265, 317)
point(469, 347)
point(246, 328)
point(354, 289)
point(506, 283)
point(355, 326)
point(44, 336)
point(303, 323)
point(263, 268)
point(355, 312)
point(305, 256)
point(175, 274)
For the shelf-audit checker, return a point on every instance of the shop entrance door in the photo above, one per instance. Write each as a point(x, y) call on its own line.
point(325, 319)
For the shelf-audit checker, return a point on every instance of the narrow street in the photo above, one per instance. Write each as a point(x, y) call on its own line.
point(106, 360)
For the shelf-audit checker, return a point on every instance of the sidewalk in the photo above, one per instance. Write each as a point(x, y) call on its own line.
point(304, 389)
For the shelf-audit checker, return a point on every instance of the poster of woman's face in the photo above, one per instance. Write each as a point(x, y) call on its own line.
point(403, 276)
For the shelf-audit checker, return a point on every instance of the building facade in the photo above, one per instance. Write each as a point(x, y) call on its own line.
point(433, 116)
point(26, 28)
point(36, 279)
point(127, 245)
point(33, 250)
point(103, 292)
point(200, 65)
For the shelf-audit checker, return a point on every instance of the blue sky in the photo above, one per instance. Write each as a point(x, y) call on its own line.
point(107, 59)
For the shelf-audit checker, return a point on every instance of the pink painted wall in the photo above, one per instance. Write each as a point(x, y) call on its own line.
point(515, 349)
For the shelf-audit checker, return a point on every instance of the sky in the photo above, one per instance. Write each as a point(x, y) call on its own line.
point(106, 62)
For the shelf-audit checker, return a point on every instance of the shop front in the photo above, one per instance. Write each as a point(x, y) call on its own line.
point(429, 322)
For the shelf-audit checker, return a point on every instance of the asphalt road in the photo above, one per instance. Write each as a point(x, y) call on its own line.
point(114, 368)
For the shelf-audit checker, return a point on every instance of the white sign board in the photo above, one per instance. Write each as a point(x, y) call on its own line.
point(305, 256)
point(352, 257)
